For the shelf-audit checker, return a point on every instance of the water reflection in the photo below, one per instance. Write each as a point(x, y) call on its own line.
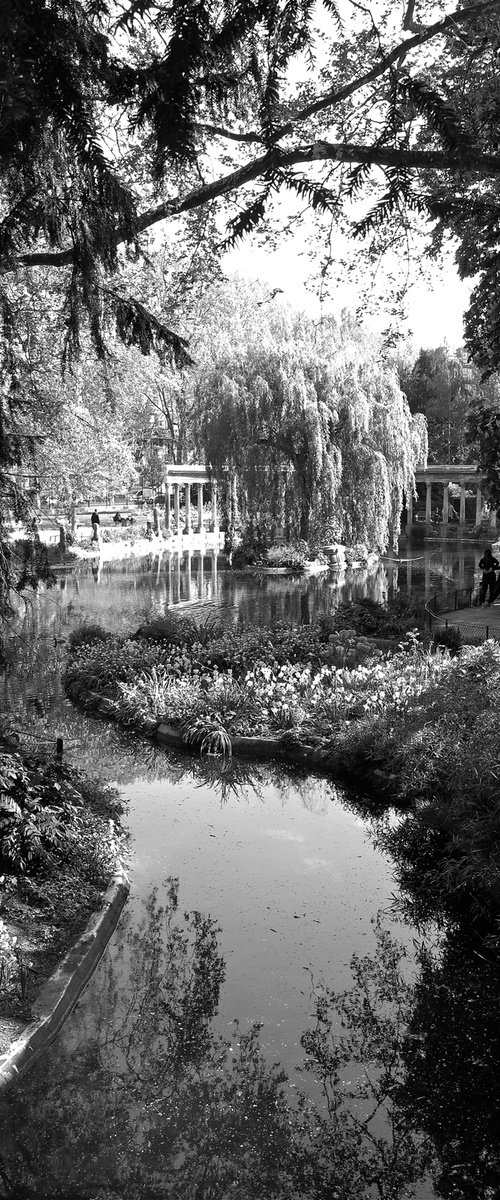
point(141, 1096)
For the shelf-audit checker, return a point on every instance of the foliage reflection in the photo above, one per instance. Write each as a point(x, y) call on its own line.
point(149, 1101)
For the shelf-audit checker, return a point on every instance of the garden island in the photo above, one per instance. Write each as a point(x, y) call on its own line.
point(250, 743)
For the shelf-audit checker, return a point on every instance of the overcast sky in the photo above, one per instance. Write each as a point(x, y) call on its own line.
point(435, 310)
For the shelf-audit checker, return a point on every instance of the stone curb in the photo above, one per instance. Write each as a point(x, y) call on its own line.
point(60, 993)
point(168, 735)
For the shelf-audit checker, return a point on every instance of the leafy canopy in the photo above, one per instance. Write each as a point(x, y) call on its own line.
point(117, 118)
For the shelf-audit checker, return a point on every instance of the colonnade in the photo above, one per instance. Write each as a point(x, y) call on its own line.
point(180, 477)
point(467, 477)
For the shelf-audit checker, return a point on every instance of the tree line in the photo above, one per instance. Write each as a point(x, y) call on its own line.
point(139, 141)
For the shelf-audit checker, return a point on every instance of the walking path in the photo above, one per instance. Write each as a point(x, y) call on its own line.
point(478, 618)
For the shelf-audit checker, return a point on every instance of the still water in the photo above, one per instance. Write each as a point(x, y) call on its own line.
point(282, 864)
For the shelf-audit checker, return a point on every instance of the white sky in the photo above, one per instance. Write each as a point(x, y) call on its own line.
point(435, 310)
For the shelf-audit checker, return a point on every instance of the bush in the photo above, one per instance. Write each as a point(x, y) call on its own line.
point(373, 619)
point(449, 638)
point(39, 813)
point(85, 634)
point(357, 553)
point(285, 556)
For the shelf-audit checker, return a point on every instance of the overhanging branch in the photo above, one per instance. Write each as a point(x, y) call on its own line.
point(320, 151)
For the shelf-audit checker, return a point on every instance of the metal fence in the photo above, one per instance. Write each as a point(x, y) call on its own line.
point(452, 601)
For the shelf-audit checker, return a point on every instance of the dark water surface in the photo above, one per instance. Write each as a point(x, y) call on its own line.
point(137, 1096)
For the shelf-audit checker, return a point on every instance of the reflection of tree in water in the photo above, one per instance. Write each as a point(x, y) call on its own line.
point(452, 1067)
point(154, 1105)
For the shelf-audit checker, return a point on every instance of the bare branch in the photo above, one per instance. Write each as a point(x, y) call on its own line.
point(409, 24)
point(397, 55)
point(219, 131)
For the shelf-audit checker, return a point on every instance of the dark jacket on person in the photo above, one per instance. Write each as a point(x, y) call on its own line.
point(488, 562)
point(94, 520)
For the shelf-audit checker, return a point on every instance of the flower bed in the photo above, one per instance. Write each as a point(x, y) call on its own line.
point(412, 727)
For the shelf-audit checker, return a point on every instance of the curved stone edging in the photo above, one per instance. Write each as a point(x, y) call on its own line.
point(169, 735)
point(60, 993)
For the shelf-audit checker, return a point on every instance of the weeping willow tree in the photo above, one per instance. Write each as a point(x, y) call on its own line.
point(309, 431)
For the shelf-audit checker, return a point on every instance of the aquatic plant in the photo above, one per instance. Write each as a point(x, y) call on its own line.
point(206, 732)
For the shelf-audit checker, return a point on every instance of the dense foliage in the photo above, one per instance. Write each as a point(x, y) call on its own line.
point(306, 424)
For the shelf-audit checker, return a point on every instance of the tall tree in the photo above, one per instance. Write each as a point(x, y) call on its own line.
point(309, 425)
point(442, 385)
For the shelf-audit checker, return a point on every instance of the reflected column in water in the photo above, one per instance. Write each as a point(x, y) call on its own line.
point(427, 572)
point(213, 564)
point(187, 571)
point(200, 577)
point(176, 590)
point(461, 569)
point(168, 577)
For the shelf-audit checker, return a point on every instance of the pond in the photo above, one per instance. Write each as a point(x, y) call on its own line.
point(288, 871)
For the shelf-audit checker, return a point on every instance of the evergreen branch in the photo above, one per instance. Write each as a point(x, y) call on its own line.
point(332, 10)
point(318, 196)
point(398, 193)
point(247, 220)
point(136, 326)
point(321, 151)
point(439, 115)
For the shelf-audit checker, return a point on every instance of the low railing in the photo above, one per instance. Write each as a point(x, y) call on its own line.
point(453, 601)
point(450, 601)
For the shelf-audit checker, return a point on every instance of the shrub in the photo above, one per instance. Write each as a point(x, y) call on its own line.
point(357, 553)
point(368, 617)
point(85, 634)
point(449, 638)
point(285, 556)
point(39, 813)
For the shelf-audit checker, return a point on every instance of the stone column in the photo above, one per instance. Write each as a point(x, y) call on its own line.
point(446, 502)
point(462, 503)
point(176, 508)
point(199, 527)
point(187, 509)
point(215, 514)
point(428, 503)
point(168, 512)
point(479, 504)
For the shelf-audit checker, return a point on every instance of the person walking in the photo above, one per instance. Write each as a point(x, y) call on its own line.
point(95, 523)
point(488, 564)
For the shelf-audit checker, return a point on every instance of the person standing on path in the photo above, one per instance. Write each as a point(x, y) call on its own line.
point(95, 522)
point(488, 564)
